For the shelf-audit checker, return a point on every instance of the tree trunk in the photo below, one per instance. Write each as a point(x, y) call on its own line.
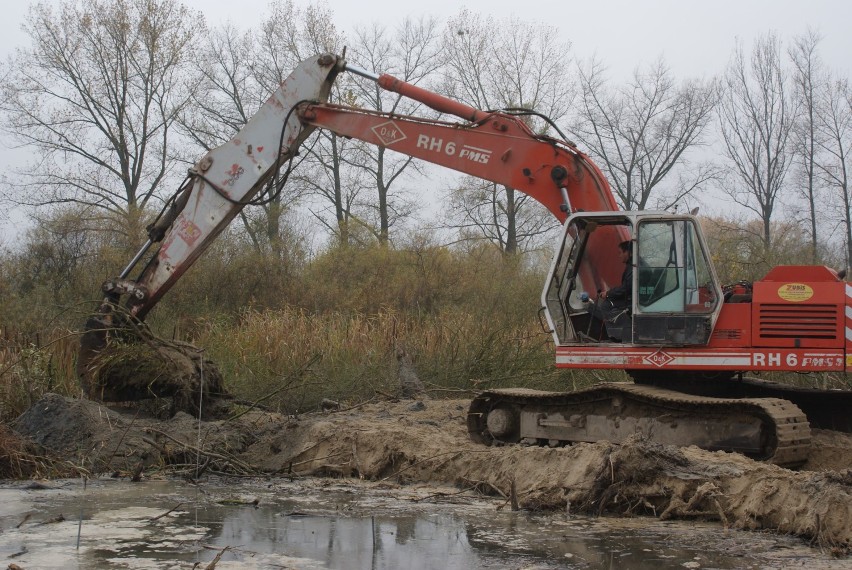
point(339, 207)
point(384, 218)
point(511, 226)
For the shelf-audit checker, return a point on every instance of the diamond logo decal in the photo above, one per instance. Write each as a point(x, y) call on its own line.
point(659, 358)
point(389, 133)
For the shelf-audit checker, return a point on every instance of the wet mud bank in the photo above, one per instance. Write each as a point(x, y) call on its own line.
point(409, 442)
point(310, 523)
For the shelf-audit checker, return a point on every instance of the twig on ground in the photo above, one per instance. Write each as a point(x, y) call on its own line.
point(386, 395)
point(121, 439)
point(435, 495)
point(223, 456)
point(355, 407)
point(486, 483)
point(215, 561)
point(167, 513)
point(156, 446)
point(454, 390)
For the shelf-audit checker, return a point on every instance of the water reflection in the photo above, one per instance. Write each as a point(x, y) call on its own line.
point(312, 525)
point(429, 541)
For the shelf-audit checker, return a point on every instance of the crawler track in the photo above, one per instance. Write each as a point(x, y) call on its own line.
point(767, 429)
point(826, 409)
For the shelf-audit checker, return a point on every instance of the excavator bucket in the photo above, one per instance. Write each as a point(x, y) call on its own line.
point(120, 361)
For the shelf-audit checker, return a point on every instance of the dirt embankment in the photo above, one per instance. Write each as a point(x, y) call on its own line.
point(408, 441)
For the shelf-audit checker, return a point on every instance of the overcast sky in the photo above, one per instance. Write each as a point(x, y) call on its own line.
point(696, 38)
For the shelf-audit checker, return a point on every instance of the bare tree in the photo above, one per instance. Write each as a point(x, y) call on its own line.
point(288, 36)
point(756, 117)
point(485, 210)
point(520, 69)
point(411, 53)
point(338, 188)
point(809, 81)
point(641, 132)
point(834, 125)
point(96, 96)
point(227, 94)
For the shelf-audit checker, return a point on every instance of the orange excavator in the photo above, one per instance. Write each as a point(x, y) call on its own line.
point(686, 340)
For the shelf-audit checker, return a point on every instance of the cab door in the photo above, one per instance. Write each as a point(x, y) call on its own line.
point(676, 296)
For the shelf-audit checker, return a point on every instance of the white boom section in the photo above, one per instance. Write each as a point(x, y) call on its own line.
point(238, 169)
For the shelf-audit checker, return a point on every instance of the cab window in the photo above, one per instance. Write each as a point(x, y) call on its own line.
point(673, 274)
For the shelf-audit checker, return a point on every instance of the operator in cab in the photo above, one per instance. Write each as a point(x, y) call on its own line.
point(613, 306)
point(621, 295)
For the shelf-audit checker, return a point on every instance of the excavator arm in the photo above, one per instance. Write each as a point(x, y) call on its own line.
point(494, 146)
point(218, 187)
point(499, 148)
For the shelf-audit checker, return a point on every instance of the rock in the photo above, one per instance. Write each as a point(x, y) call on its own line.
point(409, 383)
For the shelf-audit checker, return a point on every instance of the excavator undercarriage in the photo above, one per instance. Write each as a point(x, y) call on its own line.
point(768, 429)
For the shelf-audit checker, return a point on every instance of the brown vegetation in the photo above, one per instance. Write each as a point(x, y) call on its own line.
point(327, 328)
point(13, 455)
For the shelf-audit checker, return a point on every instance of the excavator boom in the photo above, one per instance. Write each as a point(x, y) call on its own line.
point(493, 146)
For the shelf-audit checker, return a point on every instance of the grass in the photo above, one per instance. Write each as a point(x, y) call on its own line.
point(303, 356)
point(331, 327)
point(33, 366)
point(353, 355)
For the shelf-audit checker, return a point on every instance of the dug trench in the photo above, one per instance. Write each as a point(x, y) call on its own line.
point(425, 441)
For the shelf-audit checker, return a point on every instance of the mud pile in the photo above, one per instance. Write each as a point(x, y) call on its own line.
point(406, 442)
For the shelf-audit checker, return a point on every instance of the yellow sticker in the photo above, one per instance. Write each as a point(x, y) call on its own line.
point(795, 292)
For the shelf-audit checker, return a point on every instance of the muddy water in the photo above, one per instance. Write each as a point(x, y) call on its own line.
point(320, 523)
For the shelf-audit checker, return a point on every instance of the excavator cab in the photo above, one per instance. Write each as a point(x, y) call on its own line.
point(675, 296)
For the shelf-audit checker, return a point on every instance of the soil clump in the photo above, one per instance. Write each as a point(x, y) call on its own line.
point(406, 441)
